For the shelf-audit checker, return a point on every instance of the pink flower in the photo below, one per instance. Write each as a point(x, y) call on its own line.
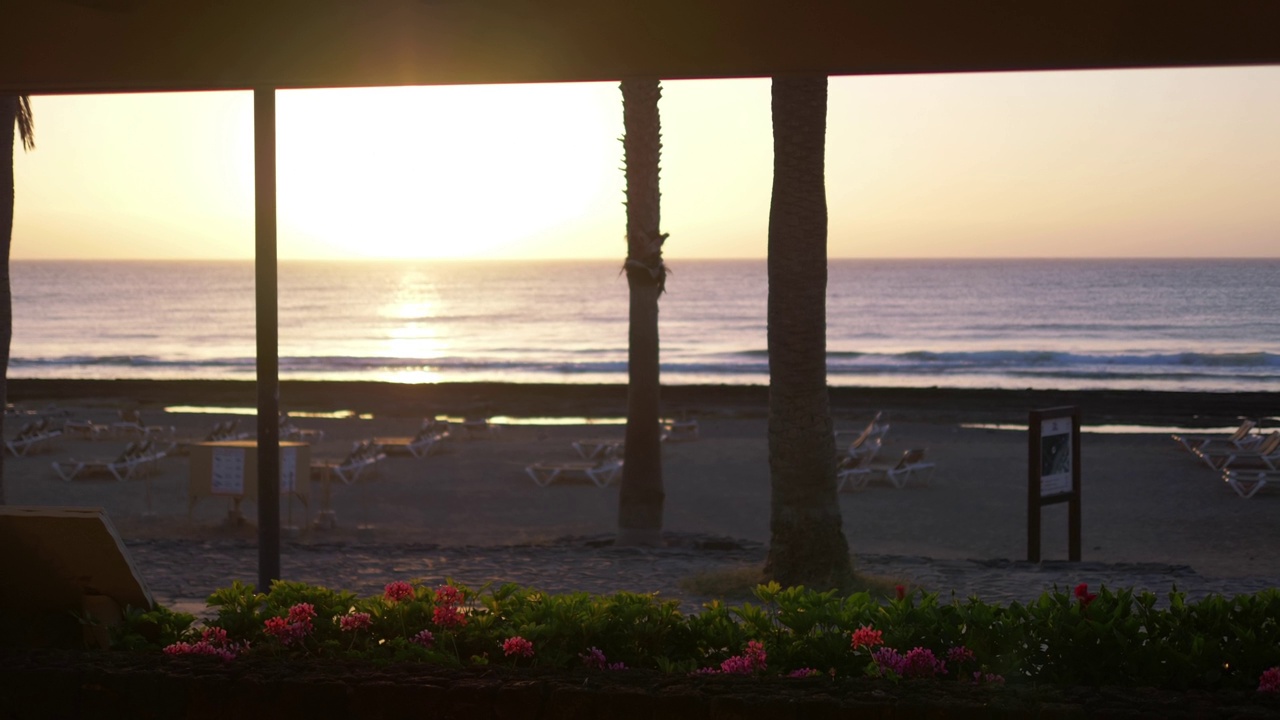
point(866, 637)
point(803, 672)
point(517, 646)
point(424, 638)
point(922, 663)
point(293, 628)
point(980, 678)
point(215, 636)
point(213, 641)
point(448, 616)
point(616, 666)
point(397, 591)
point(201, 647)
point(752, 660)
point(302, 615)
point(1270, 680)
point(888, 660)
point(1083, 595)
point(594, 658)
point(355, 621)
point(959, 655)
point(448, 595)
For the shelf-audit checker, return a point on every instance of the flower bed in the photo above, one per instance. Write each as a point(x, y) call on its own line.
point(800, 648)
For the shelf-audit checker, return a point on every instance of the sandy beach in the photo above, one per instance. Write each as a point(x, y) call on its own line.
point(1147, 505)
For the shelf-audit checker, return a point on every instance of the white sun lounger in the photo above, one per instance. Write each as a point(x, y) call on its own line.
point(33, 437)
point(135, 459)
point(679, 430)
point(131, 425)
point(363, 457)
point(853, 472)
point(600, 473)
point(595, 448)
point(1247, 483)
point(85, 429)
point(430, 438)
point(1265, 455)
point(221, 431)
point(874, 429)
point(1244, 437)
point(289, 431)
point(910, 467)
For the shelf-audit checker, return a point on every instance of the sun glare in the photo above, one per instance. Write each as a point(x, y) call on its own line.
point(441, 172)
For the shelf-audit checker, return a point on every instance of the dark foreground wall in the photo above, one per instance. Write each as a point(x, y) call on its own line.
point(52, 684)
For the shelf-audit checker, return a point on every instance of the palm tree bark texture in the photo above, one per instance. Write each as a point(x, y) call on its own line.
point(807, 543)
point(641, 496)
point(15, 112)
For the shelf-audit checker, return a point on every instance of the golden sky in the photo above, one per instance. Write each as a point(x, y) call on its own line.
point(1139, 163)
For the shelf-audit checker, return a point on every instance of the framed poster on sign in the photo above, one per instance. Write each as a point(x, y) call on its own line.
point(1055, 456)
point(228, 471)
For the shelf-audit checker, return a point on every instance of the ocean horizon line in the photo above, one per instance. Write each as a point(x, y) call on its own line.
point(621, 256)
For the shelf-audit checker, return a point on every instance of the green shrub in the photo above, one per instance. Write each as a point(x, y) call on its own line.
point(1077, 638)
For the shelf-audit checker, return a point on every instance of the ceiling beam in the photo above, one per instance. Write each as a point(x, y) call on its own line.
point(76, 46)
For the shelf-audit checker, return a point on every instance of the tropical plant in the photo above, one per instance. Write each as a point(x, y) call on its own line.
point(1111, 637)
point(641, 496)
point(807, 544)
point(15, 111)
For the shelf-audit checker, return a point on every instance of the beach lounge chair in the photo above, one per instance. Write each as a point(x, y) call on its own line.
point(476, 428)
point(596, 448)
point(875, 428)
point(601, 473)
point(289, 431)
point(33, 437)
point(869, 441)
point(679, 430)
point(223, 430)
point(854, 471)
point(1264, 455)
point(85, 429)
point(911, 466)
point(429, 438)
point(360, 461)
point(1247, 483)
point(131, 425)
point(135, 459)
point(1244, 437)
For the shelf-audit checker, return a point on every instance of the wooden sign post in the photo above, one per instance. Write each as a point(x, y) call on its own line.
point(1053, 474)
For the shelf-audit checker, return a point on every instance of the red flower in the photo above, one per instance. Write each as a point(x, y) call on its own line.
point(397, 591)
point(517, 646)
point(900, 590)
point(1083, 595)
point(865, 636)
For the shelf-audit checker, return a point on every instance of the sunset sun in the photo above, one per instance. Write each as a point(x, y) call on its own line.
point(445, 172)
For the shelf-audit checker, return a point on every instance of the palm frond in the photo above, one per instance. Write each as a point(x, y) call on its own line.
point(26, 123)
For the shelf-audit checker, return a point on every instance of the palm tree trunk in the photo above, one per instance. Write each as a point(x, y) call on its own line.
point(641, 496)
point(807, 544)
point(8, 120)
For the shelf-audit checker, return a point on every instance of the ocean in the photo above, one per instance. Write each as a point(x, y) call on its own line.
point(1179, 325)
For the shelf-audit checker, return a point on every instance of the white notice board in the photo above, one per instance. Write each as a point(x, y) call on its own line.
point(228, 471)
point(1055, 456)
